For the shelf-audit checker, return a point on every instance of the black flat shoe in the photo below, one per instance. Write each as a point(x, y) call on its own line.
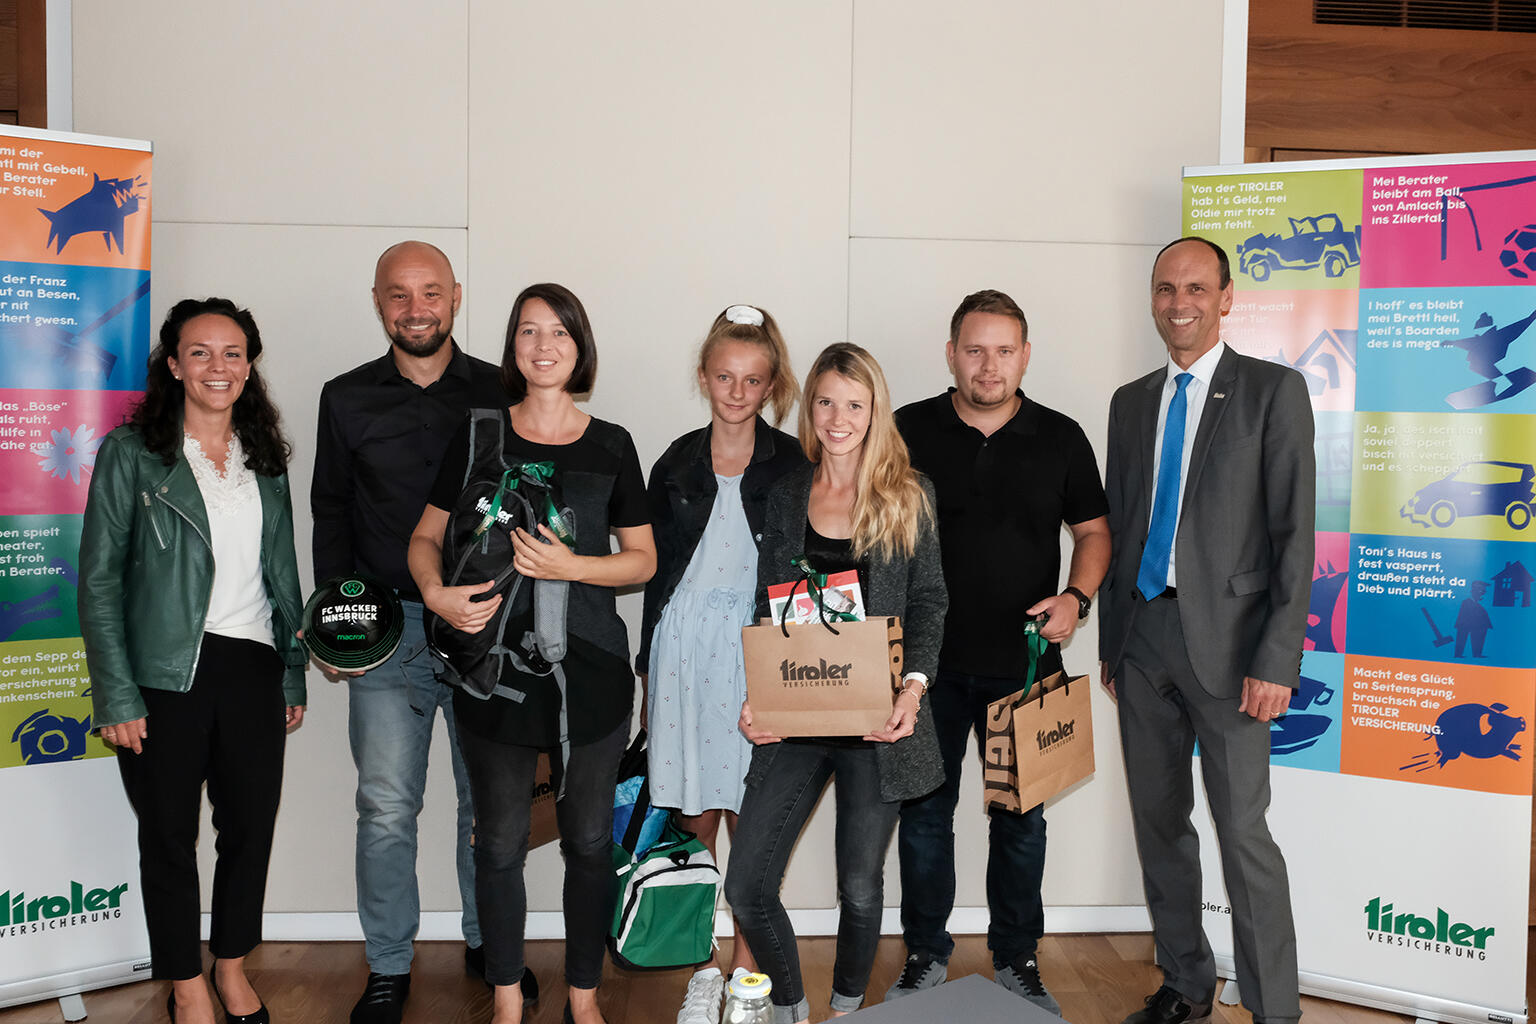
point(260, 1016)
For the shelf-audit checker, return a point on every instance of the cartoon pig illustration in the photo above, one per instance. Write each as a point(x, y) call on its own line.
point(1477, 730)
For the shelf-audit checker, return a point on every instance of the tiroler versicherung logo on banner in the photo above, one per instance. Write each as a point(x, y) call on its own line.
point(1386, 923)
point(23, 914)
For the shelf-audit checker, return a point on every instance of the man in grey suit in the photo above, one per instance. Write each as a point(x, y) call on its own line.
point(1210, 482)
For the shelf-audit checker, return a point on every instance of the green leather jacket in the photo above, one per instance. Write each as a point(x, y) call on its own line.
point(146, 575)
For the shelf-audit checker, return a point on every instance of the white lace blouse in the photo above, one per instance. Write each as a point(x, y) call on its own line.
point(238, 606)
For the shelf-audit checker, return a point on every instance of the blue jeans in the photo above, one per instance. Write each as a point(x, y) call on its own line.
point(389, 720)
point(779, 799)
point(1015, 842)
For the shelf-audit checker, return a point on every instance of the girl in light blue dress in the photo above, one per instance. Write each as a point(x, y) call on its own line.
point(708, 495)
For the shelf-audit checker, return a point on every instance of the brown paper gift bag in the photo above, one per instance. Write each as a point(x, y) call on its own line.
point(810, 681)
point(541, 825)
point(1037, 745)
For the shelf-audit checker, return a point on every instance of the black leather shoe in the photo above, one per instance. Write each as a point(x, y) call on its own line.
point(1165, 1006)
point(474, 966)
point(259, 1017)
point(383, 1001)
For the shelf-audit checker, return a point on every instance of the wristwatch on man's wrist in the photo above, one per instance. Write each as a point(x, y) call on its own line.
point(1084, 602)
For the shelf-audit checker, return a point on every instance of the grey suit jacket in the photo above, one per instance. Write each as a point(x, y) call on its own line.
point(1245, 538)
point(910, 588)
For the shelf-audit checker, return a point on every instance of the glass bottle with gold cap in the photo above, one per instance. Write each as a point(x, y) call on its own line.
point(747, 1001)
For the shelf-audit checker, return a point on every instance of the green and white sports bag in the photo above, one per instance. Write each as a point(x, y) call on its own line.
point(665, 915)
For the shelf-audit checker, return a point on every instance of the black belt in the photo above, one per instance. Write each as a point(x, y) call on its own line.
point(1171, 593)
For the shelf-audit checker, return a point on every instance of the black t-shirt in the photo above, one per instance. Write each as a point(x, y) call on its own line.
point(832, 555)
point(600, 479)
point(1002, 502)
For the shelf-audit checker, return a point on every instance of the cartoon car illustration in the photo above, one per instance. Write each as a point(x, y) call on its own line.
point(1505, 489)
point(1321, 241)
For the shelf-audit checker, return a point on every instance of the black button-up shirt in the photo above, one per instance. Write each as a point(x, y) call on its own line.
point(1002, 502)
point(378, 447)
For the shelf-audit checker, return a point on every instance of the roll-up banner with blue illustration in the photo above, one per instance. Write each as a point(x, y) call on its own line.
point(74, 338)
point(1404, 292)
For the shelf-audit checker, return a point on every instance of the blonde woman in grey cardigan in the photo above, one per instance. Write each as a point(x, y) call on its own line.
point(860, 506)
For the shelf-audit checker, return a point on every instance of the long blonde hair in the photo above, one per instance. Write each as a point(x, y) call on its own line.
point(889, 506)
point(782, 391)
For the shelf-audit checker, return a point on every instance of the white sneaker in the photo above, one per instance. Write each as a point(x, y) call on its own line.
point(701, 1005)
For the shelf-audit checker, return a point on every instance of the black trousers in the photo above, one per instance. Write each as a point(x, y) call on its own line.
point(228, 730)
point(501, 775)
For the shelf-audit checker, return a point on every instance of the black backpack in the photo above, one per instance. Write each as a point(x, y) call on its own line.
point(497, 497)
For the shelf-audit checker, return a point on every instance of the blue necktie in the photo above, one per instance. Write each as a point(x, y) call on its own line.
point(1152, 580)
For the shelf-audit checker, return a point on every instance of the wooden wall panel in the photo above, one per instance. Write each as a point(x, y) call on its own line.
point(32, 63)
point(1347, 89)
point(8, 59)
point(23, 68)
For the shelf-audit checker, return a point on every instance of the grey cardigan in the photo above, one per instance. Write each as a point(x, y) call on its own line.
point(911, 588)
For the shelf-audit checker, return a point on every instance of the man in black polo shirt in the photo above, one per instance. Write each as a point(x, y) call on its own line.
point(382, 430)
point(1008, 473)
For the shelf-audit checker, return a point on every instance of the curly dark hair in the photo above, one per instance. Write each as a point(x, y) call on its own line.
point(158, 416)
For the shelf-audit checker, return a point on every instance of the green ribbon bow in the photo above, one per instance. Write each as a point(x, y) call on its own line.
point(539, 473)
point(816, 586)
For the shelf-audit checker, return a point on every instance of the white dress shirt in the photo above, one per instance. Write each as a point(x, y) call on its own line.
point(1195, 393)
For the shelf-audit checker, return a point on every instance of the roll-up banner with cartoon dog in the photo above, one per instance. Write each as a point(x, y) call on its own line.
point(1404, 292)
point(74, 337)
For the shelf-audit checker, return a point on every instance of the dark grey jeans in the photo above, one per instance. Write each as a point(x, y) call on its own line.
point(501, 776)
point(783, 786)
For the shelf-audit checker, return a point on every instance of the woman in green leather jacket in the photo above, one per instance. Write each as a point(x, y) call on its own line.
point(197, 676)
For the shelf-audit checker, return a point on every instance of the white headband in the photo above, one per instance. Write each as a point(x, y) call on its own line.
point(745, 315)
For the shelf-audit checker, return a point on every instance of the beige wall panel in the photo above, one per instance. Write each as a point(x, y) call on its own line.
point(697, 156)
point(284, 112)
point(309, 291)
point(1090, 331)
point(1031, 121)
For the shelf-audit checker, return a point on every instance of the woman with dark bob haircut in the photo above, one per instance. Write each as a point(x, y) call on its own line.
point(549, 356)
point(189, 604)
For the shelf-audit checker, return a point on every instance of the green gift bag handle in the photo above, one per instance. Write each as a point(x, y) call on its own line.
point(1036, 645)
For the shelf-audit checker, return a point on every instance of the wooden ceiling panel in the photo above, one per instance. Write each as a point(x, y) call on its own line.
point(1340, 88)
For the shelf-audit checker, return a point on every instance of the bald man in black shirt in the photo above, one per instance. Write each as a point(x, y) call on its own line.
point(383, 427)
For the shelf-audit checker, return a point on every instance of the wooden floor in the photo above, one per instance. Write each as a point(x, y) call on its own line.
point(1097, 978)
